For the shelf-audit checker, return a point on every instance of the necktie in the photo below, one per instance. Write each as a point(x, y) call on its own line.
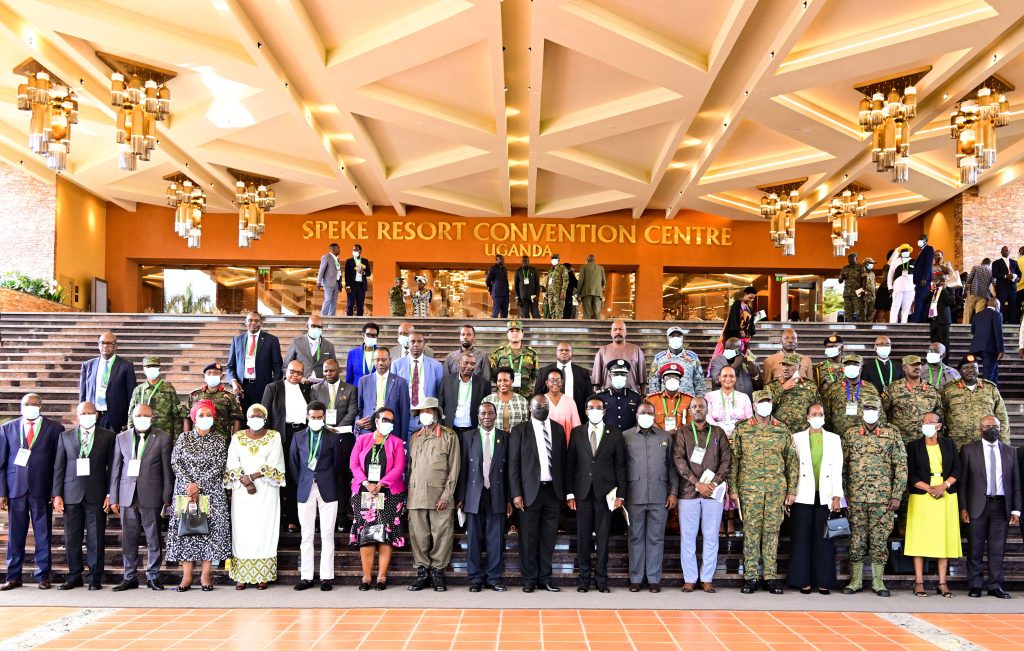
point(593, 439)
point(505, 422)
point(992, 470)
point(547, 443)
point(252, 345)
point(415, 383)
point(333, 388)
point(31, 434)
point(487, 460)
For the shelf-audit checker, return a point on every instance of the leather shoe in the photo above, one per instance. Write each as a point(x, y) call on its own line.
point(497, 587)
point(123, 585)
point(303, 584)
point(44, 584)
point(634, 587)
point(655, 587)
point(975, 592)
point(326, 586)
point(999, 593)
point(603, 589)
point(529, 587)
point(549, 587)
point(69, 585)
point(749, 586)
point(687, 587)
point(475, 587)
point(155, 585)
point(95, 585)
point(10, 585)
point(774, 587)
point(582, 588)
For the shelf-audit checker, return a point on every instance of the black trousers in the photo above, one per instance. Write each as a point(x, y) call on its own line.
point(85, 520)
point(528, 307)
point(593, 519)
point(499, 306)
point(987, 532)
point(252, 393)
point(812, 559)
point(538, 527)
point(354, 299)
point(289, 500)
point(485, 532)
point(939, 332)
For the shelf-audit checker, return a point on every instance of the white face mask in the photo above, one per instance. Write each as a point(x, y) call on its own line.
point(851, 371)
point(870, 416)
point(403, 341)
point(369, 342)
point(554, 263)
point(933, 358)
point(729, 353)
point(316, 424)
point(645, 421)
point(618, 381)
point(675, 343)
point(883, 351)
point(763, 409)
point(921, 243)
point(152, 372)
point(832, 351)
point(255, 423)
point(929, 429)
point(869, 266)
point(672, 384)
point(905, 255)
point(30, 412)
point(88, 421)
point(355, 254)
point(426, 418)
point(595, 416)
point(142, 423)
point(385, 428)
point(204, 423)
point(213, 381)
point(816, 422)
point(314, 333)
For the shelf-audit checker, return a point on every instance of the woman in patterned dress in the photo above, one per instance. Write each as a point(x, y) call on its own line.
point(255, 474)
point(421, 298)
point(198, 462)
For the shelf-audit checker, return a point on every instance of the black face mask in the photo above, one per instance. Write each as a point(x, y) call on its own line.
point(541, 413)
point(467, 344)
point(990, 434)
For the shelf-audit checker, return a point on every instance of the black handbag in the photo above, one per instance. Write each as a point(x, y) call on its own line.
point(193, 522)
point(837, 528)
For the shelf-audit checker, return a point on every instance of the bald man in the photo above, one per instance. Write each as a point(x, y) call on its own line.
point(619, 349)
point(773, 363)
point(108, 381)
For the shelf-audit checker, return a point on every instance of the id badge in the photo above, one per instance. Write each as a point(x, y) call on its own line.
point(332, 416)
point(311, 464)
point(851, 409)
point(698, 455)
point(21, 459)
point(82, 467)
point(250, 366)
point(462, 411)
point(359, 277)
point(670, 423)
point(101, 392)
point(728, 426)
point(373, 476)
point(517, 380)
point(526, 280)
point(134, 465)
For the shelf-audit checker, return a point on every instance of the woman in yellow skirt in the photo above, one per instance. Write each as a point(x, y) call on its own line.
point(933, 519)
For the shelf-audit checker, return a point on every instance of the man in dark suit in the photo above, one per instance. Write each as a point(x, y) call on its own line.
point(497, 287)
point(108, 381)
point(1005, 274)
point(577, 378)
point(922, 279)
point(527, 286)
point(254, 361)
point(880, 371)
point(395, 398)
point(460, 395)
point(141, 483)
point(286, 402)
point(329, 277)
point(595, 466)
point(536, 464)
point(987, 339)
point(312, 348)
point(28, 448)
point(990, 500)
point(357, 270)
point(81, 479)
point(342, 407)
point(569, 309)
point(482, 493)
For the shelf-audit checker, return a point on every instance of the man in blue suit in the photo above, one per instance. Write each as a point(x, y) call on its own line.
point(1005, 274)
point(987, 342)
point(28, 451)
point(329, 277)
point(359, 361)
point(108, 381)
point(254, 361)
point(383, 389)
point(922, 279)
point(422, 374)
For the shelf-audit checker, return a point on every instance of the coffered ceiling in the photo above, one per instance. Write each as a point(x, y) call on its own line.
point(563, 108)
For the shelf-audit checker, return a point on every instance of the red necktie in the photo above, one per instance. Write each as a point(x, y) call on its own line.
point(252, 345)
point(31, 434)
point(415, 383)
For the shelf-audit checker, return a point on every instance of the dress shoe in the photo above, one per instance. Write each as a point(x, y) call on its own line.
point(70, 585)
point(10, 585)
point(326, 586)
point(687, 587)
point(999, 593)
point(304, 584)
point(380, 585)
point(975, 592)
point(496, 587)
point(183, 587)
point(363, 586)
point(824, 591)
point(437, 579)
point(95, 585)
point(123, 585)
point(206, 587)
point(529, 587)
point(549, 587)
point(422, 579)
point(475, 587)
point(775, 587)
point(155, 585)
point(749, 586)
point(603, 589)
point(655, 587)
point(582, 589)
point(44, 584)
point(708, 587)
point(634, 587)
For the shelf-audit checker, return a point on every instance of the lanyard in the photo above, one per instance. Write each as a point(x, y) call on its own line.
point(707, 439)
point(732, 402)
point(106, 371)
point(938, 378)
point(880, 377)
point(376, 450)
point(35, 435)
point(664, 406)
point(856, 397)
point(314, 445)
point(152, 393)
point(143, 440)
point(86, 448)
point(829, 369)
point(519, 368)
point(464, 395)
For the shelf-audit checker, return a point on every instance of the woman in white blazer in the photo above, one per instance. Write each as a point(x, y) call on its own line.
point(812, 559)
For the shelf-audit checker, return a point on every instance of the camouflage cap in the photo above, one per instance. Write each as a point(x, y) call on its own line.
point(850, 358)
point(618, 366)
point(969, 359)
point(832, 340)
point(871, 402)
point(215, 366)
point(871, 260)
point(762, 395)
point(910, 360)
point(791, 359)
point(150, 360)
point(670, 368)
point(513, 325)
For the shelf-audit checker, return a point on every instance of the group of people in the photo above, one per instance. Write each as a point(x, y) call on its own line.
point(406, 446)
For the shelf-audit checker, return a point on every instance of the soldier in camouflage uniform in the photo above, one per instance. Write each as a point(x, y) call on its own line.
point(396, 298)
point(792, 397)
point(554, 290)
point(521, 359)
point(229, 411)
point(844, 400)
point(875, 475)
point(968, 400)
point(764, 470)
point(939, 373)
point(161, 397)
point(852, 275)
point(866, 300)
point(906, 401)
point(830, 371)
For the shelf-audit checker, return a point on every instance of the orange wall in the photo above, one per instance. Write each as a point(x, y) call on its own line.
point(80, 240)
point(147, 237)
point(939, 225)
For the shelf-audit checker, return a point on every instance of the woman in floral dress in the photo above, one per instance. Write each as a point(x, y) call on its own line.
point(421, 298)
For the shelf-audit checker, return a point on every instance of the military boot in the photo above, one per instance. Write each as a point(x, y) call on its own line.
point(438, 580)
point(422, 579)
point(877, 571)
point(856, 579)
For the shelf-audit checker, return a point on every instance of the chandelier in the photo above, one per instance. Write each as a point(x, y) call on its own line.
point(973, 126)
point(189, 201)
point(254, 198)
point(843, 212)
point(780, 203)
point(886, 109)
point(54, 108)
point(140, 94)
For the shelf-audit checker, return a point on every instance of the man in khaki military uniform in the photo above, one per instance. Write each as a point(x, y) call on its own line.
point(792, 395)
point(229, 410)
point(844, 399)
point(968, 400)
point(906, 400)
point(161, 396)
point(518, 357)
point(831, 370)
point(555, 286)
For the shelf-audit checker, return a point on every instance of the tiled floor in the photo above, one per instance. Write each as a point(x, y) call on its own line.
point(375, 629)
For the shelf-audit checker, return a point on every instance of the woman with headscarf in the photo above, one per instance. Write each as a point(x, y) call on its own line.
point(255, 473)
point(198, 461)
point(901, 283)
point(421, 298)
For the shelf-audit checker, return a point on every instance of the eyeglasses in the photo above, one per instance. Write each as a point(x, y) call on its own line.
point(292, 371)
point(387, 420)
point(108, 343)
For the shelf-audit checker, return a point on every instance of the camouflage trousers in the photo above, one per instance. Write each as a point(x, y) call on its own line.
point(866, 307)
point(762, 519)
point(553, 307)
point(851, 309)
point(870, 526)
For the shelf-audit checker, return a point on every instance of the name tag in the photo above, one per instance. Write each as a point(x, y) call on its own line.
point(517, 380)
point(698, 455)
point(82, 467)
point(101, 392)
point(134, 466)
point(21, 459)
point(250, 366)
point(851, 409)
point(332, 417)
point(670, 422)
point(373, 476)
point(462, 411)
point(346, 429)
point(526, 280)
point(311, 464)
point(359, 277)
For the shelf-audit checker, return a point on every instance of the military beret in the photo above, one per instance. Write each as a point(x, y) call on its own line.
point(215, 366)
point(850, 358)
point(555, 256)
point(791, 359)
point(670, 368)
point(513, 325)
point(969, 359)
point(672, 329)
point(910, 360)
point(618, 366)
point(871, 402)
point(833, 339)
point(151, 360)
point(762, 395)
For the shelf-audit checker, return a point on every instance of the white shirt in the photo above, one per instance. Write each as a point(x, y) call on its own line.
point(101, 389)
point(591, 428)
point(567, 385)
point(465, 394)
point(337, 264)
point(294, 404)
point(542, 448)
point(998, 470)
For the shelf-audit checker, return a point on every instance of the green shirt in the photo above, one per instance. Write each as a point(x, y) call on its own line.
point(815, 439)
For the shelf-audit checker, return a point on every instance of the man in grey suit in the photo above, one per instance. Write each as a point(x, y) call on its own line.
point(591, 288)
point(329, 277)
point(652, 487)
point(312, 349)
point(340, 416)
point(81, 480)
point(990, 495)
point(140, 486)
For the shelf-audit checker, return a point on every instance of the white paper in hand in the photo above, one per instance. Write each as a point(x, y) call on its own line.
point(610, 497)
point(461, 515)
point(707, 476)
point(719, 493)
